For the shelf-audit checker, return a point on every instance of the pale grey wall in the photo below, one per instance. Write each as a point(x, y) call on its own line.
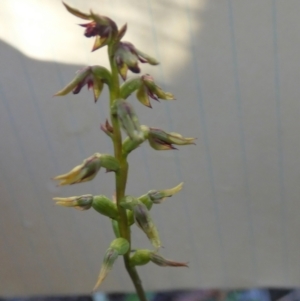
point(234, 69)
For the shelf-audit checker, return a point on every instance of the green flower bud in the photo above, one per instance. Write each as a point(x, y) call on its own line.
point(110, 257)
point(83, 202)
point(129, 120)
point(118, 246)
point(140, 257)
point(142, 219)
point(105, 206)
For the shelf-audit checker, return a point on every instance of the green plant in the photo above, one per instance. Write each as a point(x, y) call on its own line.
point(125, 210)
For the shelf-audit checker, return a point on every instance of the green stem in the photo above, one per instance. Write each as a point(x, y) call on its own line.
point(121, 175)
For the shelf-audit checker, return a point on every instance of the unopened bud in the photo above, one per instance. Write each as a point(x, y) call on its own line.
point(144, 221)
point(110, 257)
point(118, 246)
point(105, 206)
point(129, 120)
point(140, 257)
point(83, 202)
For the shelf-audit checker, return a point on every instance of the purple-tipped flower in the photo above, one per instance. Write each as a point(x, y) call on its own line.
point(93, 77)
point(148, 89)
point(127, 57)
point(161, 140)
point(101, 27)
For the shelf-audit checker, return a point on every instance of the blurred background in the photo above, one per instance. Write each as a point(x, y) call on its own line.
point(234, 69)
